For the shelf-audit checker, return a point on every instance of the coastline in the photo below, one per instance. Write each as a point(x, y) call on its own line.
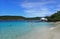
point(44, 33)
point(55, 31)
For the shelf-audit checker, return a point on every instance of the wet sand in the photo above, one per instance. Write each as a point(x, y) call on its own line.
point(43, 33)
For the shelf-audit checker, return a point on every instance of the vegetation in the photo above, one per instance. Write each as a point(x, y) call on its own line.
point(12, 18)
point(17, 18)
point(54, 17)
point(35, 18)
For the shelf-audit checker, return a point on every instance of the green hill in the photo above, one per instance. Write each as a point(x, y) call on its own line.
point(18, 18)
point(12, 18)
point(54, 17)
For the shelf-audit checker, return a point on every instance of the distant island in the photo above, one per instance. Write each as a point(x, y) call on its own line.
point(52, 18)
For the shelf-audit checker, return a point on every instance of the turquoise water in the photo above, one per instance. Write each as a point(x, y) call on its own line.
point(14, 30)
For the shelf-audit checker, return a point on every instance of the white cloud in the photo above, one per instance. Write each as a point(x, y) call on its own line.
point(35, 4)
point(37, 12)
point(33, 9)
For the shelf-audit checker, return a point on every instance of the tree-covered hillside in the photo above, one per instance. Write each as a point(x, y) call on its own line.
point(12, 18)
point(54, 17)
point(34, 18)
point(18, 18)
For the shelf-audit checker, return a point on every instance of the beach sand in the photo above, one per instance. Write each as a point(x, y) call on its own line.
point(45, 33)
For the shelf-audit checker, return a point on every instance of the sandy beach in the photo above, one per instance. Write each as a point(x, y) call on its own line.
point(45, 33)
point(42, 30)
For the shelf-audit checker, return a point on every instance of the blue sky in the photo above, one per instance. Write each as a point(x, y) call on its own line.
point(29, 8)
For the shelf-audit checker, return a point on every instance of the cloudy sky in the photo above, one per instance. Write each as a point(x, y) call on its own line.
point(29, 8)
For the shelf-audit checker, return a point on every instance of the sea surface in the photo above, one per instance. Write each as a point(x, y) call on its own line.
point(24, 30)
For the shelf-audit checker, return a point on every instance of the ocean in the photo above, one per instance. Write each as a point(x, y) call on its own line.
point(24, 30)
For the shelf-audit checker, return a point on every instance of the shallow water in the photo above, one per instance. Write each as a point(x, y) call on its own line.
point(25, 30)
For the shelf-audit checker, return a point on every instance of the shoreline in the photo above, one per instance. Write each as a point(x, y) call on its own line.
point(43, 33)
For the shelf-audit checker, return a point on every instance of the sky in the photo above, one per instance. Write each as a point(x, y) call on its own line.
point(29, 8)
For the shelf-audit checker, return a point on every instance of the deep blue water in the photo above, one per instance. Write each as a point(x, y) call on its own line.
point(14, 29)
